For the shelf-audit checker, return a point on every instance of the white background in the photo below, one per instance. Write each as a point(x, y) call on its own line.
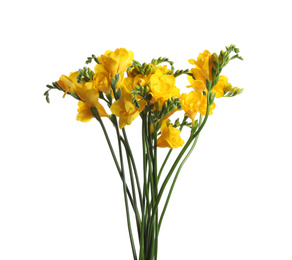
point(60, 196)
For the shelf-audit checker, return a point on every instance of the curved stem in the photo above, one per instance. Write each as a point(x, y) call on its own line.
point(175, 178)
point(137, 215)
point(155, 190)
point(170, 151)
point(134, 166)
point(164, 163)
point(97, 117)
point(124, 189)
point(191, 138)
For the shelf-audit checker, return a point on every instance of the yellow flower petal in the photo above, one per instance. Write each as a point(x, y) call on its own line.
point(218, 89)
point(126, 110)
point(85, 114)
point(170, 137)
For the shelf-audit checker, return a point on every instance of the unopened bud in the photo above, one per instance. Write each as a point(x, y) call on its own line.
point(147, 88)
point(215, 57)
point(154, 62)
point(239, 91)
point(148, 69)
point(227, 87)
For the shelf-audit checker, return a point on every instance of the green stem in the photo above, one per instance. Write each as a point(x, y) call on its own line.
point(164, 163)
point(155, 190)
point(170, 151)
point(95, 113)
point(175, 178)
point(124, 189)
point(191, 138)
point(150, 238)
point(137, 215)
point(146, 200)
point(134, 167)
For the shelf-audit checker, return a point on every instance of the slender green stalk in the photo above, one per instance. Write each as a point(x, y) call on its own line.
point(150, 233)
point(155, 190)
point(175, 178)
point(137, 215)
point(98, 118)
point(191, 138)
point(134, 167)
point(164, 163)
point(170, 151)
point(124, 189)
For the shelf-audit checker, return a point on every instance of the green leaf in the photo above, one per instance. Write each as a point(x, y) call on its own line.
point(47, 96)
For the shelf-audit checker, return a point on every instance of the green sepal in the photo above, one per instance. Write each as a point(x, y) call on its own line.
point(209, 84)
point(118, 94)
point(74, 95)
point(211, 97)
point(95, 113)
point(113, 84)
point(47, 96)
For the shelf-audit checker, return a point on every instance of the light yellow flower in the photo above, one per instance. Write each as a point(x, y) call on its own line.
point(191, 103)
point(201, 72)
point(219, 88)
point(88, 92)
point(162, 68)
point(101, 79)
point(162, 87)
point(117, 61)
point(126, 110)
point(68, 83)
point(85, 114)
point(203, 106)
point(170, 136)
point(129, 83)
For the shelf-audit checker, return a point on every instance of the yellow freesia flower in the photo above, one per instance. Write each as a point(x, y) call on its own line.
point(101, 79)
point(68, 83)
point(117, 61)
point(162, 87)
point(191, 103)
point(88, 92)
point(170, 136)
point(126, 110)
point(85, 114)
point(219, 88)
point(162, 68)
point(129, 83)
point(203, 106)
point(201, 72)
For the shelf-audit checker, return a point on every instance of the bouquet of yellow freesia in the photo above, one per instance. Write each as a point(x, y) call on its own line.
point(148, 91)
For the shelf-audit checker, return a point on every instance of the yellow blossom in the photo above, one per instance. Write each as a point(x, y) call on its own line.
point(101, 79)
point(85, 114)
point(88, 92)
point(68, 83)
point(170, 136)
point(117, 61)
point(219, 88)
point(191, 103)
point(162, 87)
point(129, 83)
point(201, 72)
point(126, 110)
point(162, 68)
point(203, 106)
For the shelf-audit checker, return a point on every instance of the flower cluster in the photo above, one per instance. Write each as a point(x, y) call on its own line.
point(148, 89)
point(122, 89)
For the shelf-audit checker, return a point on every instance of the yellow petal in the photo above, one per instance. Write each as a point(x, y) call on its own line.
point(84, 112)
point(192, 61)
